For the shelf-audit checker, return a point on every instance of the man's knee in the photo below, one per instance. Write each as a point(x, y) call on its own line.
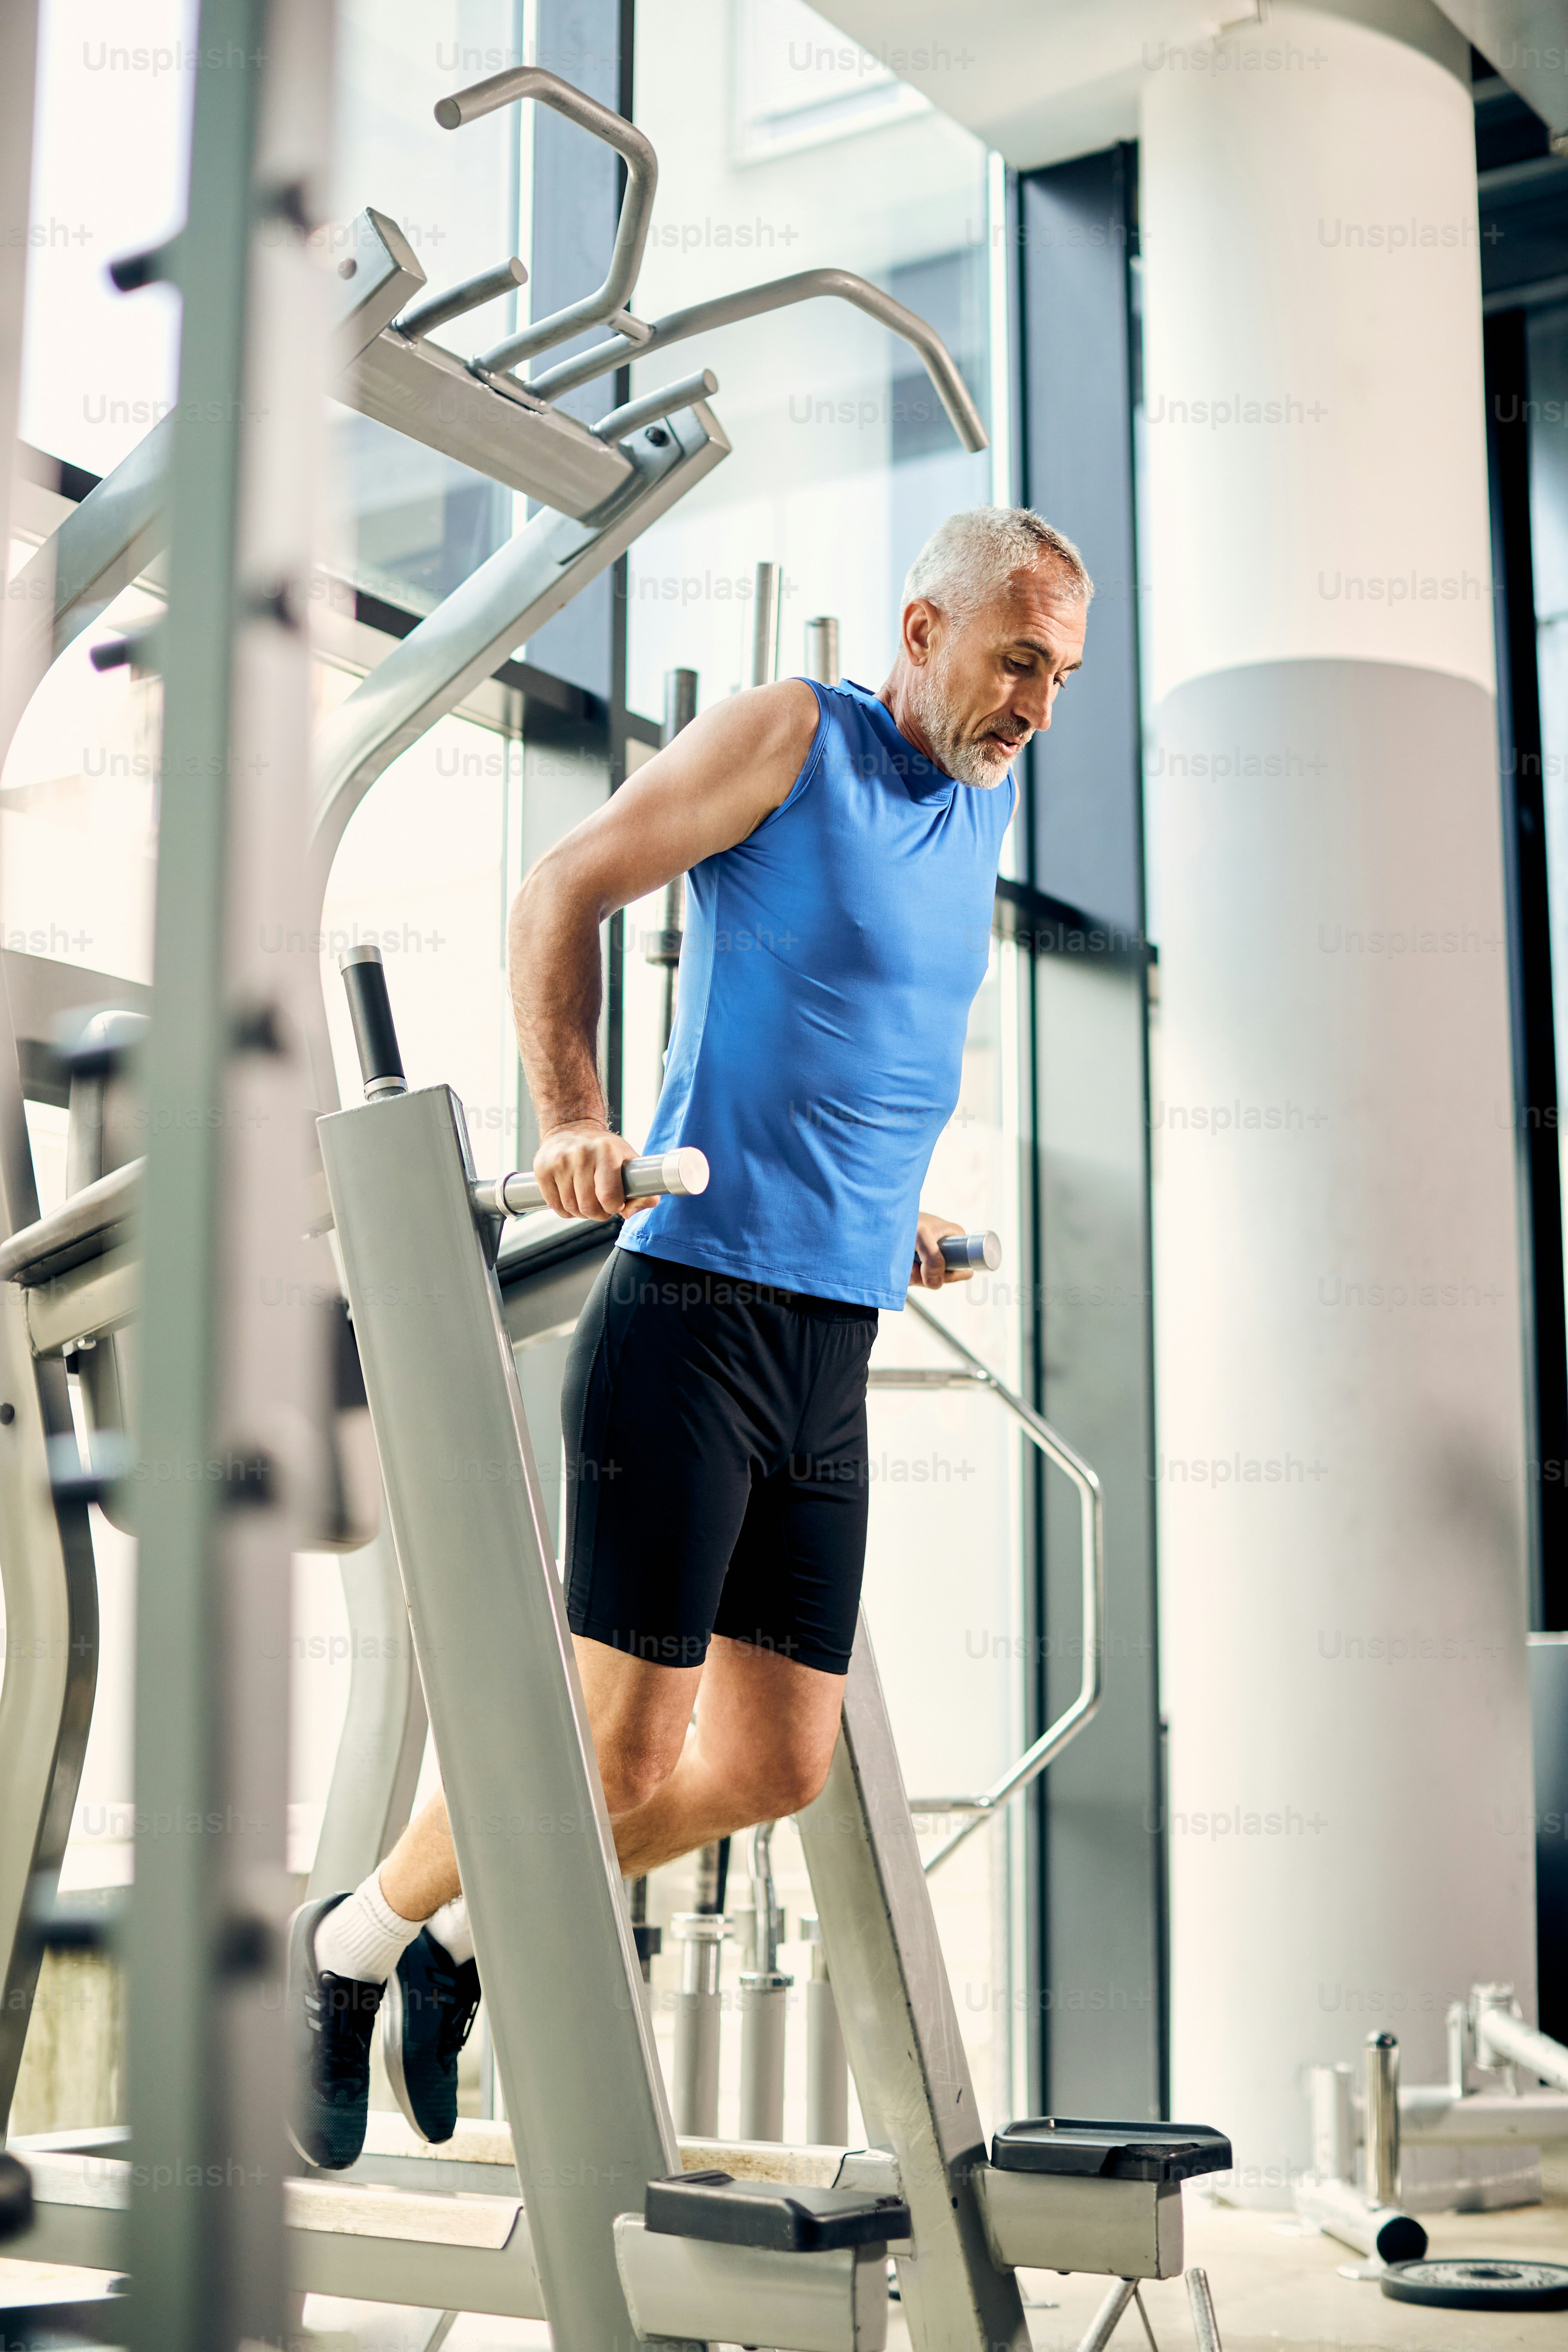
point(633, 1775)
point(786, 1783)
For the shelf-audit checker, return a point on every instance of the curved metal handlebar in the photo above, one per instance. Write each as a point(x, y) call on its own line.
point(608, 306)
point(752, 302)
point(637, 205)
point(1068, 1725)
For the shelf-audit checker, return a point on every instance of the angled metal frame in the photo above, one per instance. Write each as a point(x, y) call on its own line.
point(900, 2028)
point(49, 1669)
point(510, 596)
point(563, 1987)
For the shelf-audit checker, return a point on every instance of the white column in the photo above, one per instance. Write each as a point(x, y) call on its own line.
point(1342, 1508)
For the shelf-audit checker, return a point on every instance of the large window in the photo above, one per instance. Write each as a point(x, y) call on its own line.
point(407, 522)
point(843, 461)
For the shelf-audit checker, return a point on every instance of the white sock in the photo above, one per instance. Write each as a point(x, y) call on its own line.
point(363, 1937)
point(450, 1927)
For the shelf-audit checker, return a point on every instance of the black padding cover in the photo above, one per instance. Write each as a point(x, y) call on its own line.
point(779, 2216)
point(1158, 2152)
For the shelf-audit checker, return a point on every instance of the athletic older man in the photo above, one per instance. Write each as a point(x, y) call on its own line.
point(841, 848)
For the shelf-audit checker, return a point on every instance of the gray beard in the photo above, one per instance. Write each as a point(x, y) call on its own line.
point(978, 762)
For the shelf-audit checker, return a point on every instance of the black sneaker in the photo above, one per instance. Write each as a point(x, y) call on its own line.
point(332, 2020)
point(431, 2003)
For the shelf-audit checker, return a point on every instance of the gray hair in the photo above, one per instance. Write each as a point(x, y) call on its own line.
point(970, 558)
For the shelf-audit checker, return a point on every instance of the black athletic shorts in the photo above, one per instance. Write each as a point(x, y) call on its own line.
point(716, 1465)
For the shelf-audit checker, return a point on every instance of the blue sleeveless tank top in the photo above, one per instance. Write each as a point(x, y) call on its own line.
point(826, 973)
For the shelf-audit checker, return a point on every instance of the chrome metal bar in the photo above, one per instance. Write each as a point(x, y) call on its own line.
point(94, 1210)
point(1206, 2327)
point(1107, 2318)
point(383, 1740)
point(1434, 2115)
point(636, 206)
point(653, 407)
point(1381, 2088)
point(827, 2061)
point(764, 2002)
point(684, 1171)
point(694, 2084)
point(1342, 2210)
point(1503, 2037)
point(754, 302)
point(822, 650)
point(764, 2011)
point(765, 626)
point(471, 295)
point(1068, 1725)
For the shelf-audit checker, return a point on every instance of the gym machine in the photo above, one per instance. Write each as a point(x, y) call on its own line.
point(544, 1894)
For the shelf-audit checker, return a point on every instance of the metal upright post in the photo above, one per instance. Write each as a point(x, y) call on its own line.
point(227, 1457)
point(822, 650)
point(50, 1667)
point(765, 626)
point(826, 2064)
point(699, 2015)
point(764, 2004)
point(679, 710)
point(901, 2030)
point(1382, 2118)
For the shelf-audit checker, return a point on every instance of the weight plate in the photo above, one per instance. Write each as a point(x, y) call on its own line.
point(1474, 2282)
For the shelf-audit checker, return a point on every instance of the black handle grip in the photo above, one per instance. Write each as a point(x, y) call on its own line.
point(370, 1010)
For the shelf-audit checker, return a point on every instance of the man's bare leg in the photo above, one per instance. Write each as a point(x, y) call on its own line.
point(759, 1749)
point(420, 1873)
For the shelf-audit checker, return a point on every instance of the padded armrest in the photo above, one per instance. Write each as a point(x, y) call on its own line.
point(1110, 2151)
point(785, 2219)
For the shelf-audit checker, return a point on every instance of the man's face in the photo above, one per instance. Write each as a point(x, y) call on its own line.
point(985, 684)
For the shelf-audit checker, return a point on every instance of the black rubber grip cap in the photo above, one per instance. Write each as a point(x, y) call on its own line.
point(370, 1009)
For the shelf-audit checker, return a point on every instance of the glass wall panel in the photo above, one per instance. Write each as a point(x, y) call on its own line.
point(426, 872)
point(115, 81)
point(774, 158)
point(79, 808)
point(408, 523)
point(1548, 422)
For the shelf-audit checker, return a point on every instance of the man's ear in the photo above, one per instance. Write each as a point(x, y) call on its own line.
point(919, 622)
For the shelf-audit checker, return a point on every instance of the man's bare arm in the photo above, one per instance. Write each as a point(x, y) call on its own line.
point(705, 792)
